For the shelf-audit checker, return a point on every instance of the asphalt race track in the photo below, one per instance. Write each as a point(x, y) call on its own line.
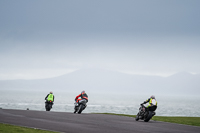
point(88, 123)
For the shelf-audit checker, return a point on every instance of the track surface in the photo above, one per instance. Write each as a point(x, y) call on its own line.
point(88, 123)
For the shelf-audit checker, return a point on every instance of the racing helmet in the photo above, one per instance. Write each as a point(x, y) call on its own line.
point(153, 97)
point(83, 92)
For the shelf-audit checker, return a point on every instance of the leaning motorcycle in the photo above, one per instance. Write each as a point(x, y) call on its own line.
point(146, 114)
point(80, 105)
point(48, 105)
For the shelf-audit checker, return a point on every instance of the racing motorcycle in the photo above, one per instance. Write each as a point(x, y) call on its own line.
point(48, 105)
point(80, 105)
point(146, 114)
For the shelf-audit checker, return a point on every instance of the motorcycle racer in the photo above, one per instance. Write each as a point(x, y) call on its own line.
point(80, 104)
point(152, 101)
point(83, 95)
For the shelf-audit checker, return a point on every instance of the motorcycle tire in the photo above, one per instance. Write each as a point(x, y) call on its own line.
point(80, 109)
point(137, 117)
point(148, 117)
point(48, 107)
point(75, 110)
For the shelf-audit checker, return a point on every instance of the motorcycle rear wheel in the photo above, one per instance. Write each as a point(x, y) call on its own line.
point(148, 117)
point(48, 107)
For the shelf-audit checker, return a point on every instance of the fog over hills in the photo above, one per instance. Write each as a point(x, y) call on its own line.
point(97, 80)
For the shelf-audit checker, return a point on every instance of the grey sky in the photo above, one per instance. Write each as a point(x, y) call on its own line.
point(40, 39)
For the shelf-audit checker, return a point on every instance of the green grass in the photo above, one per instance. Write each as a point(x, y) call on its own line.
point(6, 128)
point(194, 121)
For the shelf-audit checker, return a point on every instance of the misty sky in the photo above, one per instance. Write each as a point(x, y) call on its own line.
point(41, 39)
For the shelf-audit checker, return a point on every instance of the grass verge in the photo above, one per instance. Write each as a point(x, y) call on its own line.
point(6, 128)
point(194, 121)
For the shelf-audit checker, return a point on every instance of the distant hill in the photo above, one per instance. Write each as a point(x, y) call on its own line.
point(97, 80)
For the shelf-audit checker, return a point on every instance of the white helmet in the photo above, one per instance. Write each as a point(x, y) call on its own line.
point(153, 97)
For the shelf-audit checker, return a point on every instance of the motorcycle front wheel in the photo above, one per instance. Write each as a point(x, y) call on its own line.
point(137, 117)
point(75, 109)
point(80, 109)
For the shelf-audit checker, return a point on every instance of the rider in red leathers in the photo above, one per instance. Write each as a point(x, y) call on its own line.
point(83, 95)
